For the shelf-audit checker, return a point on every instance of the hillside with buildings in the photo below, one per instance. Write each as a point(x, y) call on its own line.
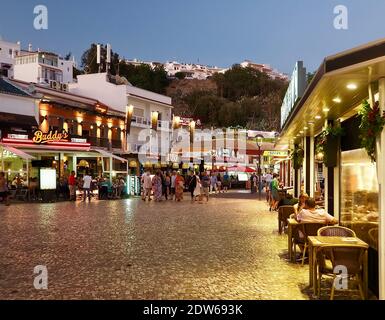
point(247, 94)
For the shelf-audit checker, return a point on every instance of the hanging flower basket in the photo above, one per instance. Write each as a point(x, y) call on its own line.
point(328, 143)
point(372, 124)
point(297, 157)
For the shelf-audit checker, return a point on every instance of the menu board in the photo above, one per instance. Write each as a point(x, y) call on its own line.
point(47, 179)
point(242, 177)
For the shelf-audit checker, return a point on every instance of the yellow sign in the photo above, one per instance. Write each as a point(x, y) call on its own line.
point(275, 153)
point(40, 137)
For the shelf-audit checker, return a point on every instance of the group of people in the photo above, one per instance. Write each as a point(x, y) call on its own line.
point(162, 185)
point(87, 184)
point(171, 186)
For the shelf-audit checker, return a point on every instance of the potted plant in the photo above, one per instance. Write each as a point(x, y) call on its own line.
point(372, 124)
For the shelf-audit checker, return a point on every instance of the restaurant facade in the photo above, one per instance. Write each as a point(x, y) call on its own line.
point(329, 156)
point(65, 132)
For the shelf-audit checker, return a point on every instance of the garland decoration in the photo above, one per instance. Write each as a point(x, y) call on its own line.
point(372, 124)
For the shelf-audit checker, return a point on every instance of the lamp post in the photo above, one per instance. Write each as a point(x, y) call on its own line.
point(259, 145)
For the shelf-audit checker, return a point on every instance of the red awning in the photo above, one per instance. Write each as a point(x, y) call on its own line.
point(241, 169)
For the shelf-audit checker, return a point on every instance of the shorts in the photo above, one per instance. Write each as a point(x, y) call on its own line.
point(205, 191)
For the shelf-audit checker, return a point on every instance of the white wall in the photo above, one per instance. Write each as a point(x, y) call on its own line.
point(66, 66)
point(18, 105)
point(148, 94)
point(28, 72)
point(96, 86)
point(4, 52)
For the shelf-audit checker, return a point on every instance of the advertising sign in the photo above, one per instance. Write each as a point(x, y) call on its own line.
point(295, 91)
point(40, 137)
point(47, 179)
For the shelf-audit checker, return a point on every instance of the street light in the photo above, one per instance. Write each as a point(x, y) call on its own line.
point(259, 145)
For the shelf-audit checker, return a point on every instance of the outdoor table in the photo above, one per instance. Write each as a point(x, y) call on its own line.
point(291, 224)
point(318, 241)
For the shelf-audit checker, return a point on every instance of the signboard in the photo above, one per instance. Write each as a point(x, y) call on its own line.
point(47, 179)
point(295, 91)
point(39, 137)
point(17, 136)
point(275, 154)
point(242, 177)
point(79, 140)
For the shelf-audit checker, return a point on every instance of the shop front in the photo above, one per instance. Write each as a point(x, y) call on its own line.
point(23, 159)
point(329, 149)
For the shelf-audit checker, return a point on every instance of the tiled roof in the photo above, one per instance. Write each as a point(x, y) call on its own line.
point(7, 88)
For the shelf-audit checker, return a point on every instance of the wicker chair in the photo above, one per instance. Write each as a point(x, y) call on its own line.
point(336, 231)
point(300, 234)
point(284, 213)
point(348, 256)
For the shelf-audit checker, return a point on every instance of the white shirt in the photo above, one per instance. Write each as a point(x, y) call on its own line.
point(147, 182)
point(316, 216)
point(268, 178)
point(87, 182)
point(173, 181)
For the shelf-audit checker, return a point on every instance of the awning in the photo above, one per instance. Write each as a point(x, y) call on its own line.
point(18, 152)
point(109, 154)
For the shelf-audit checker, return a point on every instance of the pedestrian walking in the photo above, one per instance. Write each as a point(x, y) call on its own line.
point(166, 185)
point(192, 184)
point(179, 187)
point(87, 180)
point(72, 186)
point(147, 186)
point(198, 188)
point(219, 183)
point(157, 186)
point(226, 182)
point(4, 189)
point(205, 186)
point(172, 184)
point(213, 181)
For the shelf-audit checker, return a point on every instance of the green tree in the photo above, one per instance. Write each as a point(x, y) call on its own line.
point(180, 75)
point(143, 76)
point(89, 63)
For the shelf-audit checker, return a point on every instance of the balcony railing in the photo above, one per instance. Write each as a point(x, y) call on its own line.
point(105, 143)
point(140, 121)
point(145, 123)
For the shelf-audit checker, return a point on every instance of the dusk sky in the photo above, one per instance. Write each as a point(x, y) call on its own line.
point(217, 32)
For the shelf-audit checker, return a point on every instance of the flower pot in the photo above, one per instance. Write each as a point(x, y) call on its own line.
point(331, 150)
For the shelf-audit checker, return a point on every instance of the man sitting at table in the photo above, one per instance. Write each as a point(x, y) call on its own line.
point(310, 214)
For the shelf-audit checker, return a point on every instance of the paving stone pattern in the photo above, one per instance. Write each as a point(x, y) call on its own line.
point(227, 248)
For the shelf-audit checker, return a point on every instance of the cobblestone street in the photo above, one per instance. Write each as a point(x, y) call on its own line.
point(227, 248)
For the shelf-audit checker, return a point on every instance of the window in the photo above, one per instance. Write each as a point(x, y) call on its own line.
point(138, 112)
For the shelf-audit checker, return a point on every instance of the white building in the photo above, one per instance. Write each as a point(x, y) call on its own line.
point(42, 67)
point(190, 70)
point(265, 68)
point(120, 95)
point(8, 53)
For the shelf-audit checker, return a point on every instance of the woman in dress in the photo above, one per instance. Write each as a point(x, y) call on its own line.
point(179, 187)
point(198, 187)
point(157, 186)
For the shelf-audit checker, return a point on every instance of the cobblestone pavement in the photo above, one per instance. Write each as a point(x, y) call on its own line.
point(227, 248)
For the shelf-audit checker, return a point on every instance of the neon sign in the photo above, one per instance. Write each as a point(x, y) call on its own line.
point(39, 137)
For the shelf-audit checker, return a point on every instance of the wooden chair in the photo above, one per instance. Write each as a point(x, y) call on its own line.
point(349, 256)
point(300, 234)
point(284, 213)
